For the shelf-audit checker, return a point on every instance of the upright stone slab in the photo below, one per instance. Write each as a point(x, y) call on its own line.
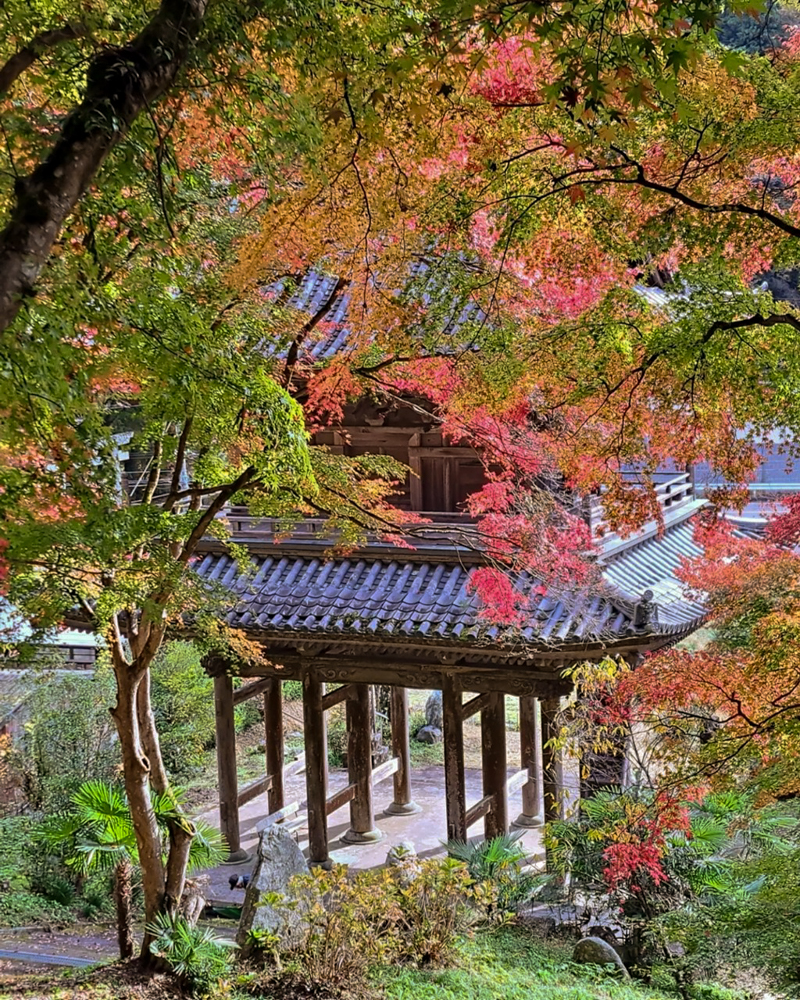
point(279, 859)
point(433, 710)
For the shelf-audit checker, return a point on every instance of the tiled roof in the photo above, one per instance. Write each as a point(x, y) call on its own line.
point(415, 600)
point(652, 564)
point(331, 336)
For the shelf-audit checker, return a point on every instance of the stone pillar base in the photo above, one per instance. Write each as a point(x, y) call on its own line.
point(402, 809)
point(324, 865)
point(370, 837)
point(238, 857)
point(528, 821)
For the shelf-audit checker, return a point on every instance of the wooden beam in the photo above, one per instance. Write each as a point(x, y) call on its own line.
point(254, 789)
point(316, 741)
point(226, 766)
point(250, 691)
point(415, 479)
point(495, 764)
point(343, 670)
point(340, 798)
point(273, 742)
point(402, 804)
point(265, 783)
point(550, 708)
point(517, 780)
point(338, 696)
point(359, 766)
point(279, 816)
point(386, 770)
point(476, 704)
point(481, 808)
point(530, 745)
point(455, 792)
point(445, 451)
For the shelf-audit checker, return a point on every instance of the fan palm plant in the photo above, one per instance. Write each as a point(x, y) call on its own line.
point(97, 834)
point(499, 861)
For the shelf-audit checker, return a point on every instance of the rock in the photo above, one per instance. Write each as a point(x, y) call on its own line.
point(404, 863)
point(429, 734)
point(398, 853)
point(596, 951)
point(279, 860)
point(433, 710)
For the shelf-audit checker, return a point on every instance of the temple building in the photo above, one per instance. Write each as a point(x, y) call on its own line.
point(409, 618)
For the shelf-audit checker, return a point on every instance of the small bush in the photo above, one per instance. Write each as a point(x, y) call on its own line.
point(20, 907)
point(197, 956)
point(337, 741)
point(183, 705)
point(56, 888)
point(499, 862)
point(372, 917)
point(246, 715)
point(416, 720)
point(69, 735)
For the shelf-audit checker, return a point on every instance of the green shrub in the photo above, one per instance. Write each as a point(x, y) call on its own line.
point(361, 918)
point(69, 735)
point(246, 715)
point(20, 908)
point(500, 862)
point(416, 720)
point(56, 888)
point(96, 899)
point(35, 885)
point(196, 955)
point(293, 690)
point(337, 740)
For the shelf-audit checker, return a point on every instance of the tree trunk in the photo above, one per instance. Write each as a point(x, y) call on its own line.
point(136, 771)
point(181, 829)
point(121, 83)
point(122, 902)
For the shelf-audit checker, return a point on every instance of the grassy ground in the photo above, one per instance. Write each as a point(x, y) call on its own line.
point(510, 964)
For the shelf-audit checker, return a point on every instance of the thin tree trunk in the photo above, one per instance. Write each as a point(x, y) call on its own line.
point(122, 901)
point(121, 83)
point(136, 770)
point(180, 828)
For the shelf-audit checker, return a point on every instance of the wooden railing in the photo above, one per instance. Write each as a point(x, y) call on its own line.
point(673, 492)
point(437, 531)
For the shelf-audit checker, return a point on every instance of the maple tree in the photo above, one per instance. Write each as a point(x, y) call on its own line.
point(172, 177)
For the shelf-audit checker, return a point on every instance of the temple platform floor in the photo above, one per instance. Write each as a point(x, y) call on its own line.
point(426, 829)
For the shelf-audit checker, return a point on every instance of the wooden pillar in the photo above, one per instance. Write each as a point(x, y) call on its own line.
point(226, 767)
point(403, 804)
point(552, 793)
point(316, 744)
point(455, 791)
point(495, 764)
point(273, 742)
point(359, 766)
point(530, 745)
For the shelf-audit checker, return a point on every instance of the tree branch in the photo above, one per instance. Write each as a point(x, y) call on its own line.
point(16, 65)
point(121, 82)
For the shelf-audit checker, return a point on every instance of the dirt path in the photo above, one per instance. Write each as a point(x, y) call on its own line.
point(79, 946)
